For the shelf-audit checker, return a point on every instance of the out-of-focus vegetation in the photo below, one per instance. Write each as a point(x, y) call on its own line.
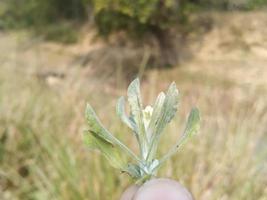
point(23, 13)
point(53, 20)
point(155, 24)
point(42, 155)
point(139, 17)
point(44, 88)
point(56, 18)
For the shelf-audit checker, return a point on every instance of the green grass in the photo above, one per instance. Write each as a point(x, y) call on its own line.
point(42, 155)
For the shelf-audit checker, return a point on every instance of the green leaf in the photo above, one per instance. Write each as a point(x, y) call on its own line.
point(193, 123)
point(134, 171)
point(164, 111)
point(135, 102)
point(103, 135)
point(169, 108)
point(192, 127)
point(95, 125)
point(112, 153)
point(157, 111)
point(122, 114)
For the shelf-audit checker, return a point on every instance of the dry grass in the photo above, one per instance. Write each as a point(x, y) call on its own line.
point(42, 155)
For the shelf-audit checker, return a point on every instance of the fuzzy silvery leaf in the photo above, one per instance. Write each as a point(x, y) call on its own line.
point(192, 127)
point(193, 123)
point(97, 129)
point(95, 125)
point(153, 165)
point(164, 111)
point(135, 102)
point(134, 170)
point(123, 116)
point(112, 153)
point(157, 111)
point(168, 110)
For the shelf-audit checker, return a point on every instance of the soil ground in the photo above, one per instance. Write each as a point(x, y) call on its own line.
point(233, 51)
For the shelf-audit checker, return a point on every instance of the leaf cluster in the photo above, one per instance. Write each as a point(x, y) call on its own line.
point(147, 126)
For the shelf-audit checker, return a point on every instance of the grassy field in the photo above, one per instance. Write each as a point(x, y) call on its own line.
point(42, 155)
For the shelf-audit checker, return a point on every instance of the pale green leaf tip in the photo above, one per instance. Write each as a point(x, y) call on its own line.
point(88, 107)
point(197, 113)
point(88, 110)
point(161, 94)
point(121, 99)
point(120, 102)
point(135, 81)
point(134, 84)
point(173, 86)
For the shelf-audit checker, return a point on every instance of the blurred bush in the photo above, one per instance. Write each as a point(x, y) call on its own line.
point(142, 16)
point(53, 19)
point(21, 13)
point(136, 17)
point(231, 4)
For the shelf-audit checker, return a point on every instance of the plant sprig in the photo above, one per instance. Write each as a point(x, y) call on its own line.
point(147, 125)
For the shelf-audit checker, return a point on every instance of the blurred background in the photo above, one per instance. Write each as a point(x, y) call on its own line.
point(56, 55)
